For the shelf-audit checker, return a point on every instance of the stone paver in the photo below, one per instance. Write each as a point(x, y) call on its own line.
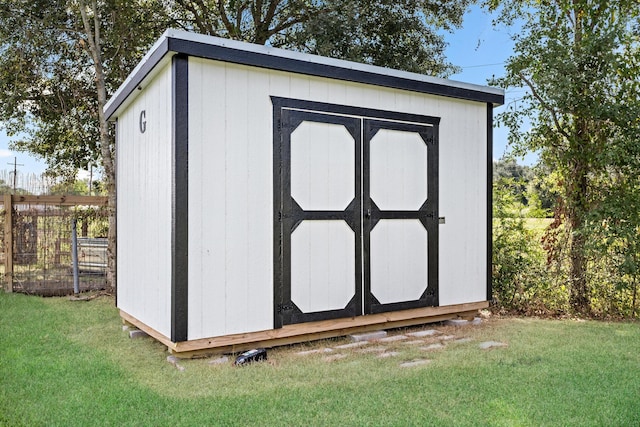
point(219, 360)
point(174, 361)
point(314, 351)
point(334, 357)
point(393, 338)
point(137, 333)
point(413, 342)
point(388, 354)
point(352, 345)
point(361, 343)
point(413, 363)
point(434, 346)
point(377, 349)
point(422, 334)
point(491, 344)
point(456, 322)
point(368, 336)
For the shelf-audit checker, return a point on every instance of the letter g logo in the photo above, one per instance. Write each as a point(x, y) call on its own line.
point(143, 121)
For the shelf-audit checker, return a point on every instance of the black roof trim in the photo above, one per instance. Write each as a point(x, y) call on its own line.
point(221, 52)
point(134, 80)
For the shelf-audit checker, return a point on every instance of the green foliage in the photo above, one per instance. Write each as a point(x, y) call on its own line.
point(75, 187)
point(48, 97)
point(531, 257)
point(404, 34)
point(580, 62)
point(528, 186)
point(7, 188)
point(614, 227)
point(92, 220)
point(397, 34)
point(509, 168)
point(520, 176)
point(78, 187)
point(521, 282)
point(253, 21)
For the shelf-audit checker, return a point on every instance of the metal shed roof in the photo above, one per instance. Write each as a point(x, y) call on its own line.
point(215, 48)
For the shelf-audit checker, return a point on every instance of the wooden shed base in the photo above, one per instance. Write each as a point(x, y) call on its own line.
point(291, 334)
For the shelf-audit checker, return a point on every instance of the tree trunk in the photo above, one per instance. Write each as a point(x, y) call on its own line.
point(577, 207)
point(579, 296)
point(633, 302)
point(634, 286)
point(92, 33)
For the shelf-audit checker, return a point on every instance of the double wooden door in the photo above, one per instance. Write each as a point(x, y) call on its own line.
point(356, 211)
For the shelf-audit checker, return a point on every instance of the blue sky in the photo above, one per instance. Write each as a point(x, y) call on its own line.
point(482, 50)
point(31, 164)
point(478, 47)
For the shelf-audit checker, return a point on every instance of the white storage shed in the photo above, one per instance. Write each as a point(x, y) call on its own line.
point(267, 196)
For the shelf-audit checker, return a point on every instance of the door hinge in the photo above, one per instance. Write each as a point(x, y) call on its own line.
point(285, 307)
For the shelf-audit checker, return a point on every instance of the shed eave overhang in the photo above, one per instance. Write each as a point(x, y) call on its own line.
point(232, 51)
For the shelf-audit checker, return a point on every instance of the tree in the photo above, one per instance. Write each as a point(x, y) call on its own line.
point(400, 34)
point(518, 270)
point(579, 60)
point(60, 60)
point(79, 187)
point(614, 226)
point(509, 168)
point(256, 21)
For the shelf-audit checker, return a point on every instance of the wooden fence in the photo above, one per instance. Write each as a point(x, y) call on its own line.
point(36, 243)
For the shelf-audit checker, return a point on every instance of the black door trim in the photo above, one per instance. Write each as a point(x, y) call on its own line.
point(427, 214)
point(347, 110)
point(291, 215)
point(288, 114)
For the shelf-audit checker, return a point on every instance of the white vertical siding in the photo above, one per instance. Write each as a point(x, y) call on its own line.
point(230, 200)
point(231, 188)
point(144, 206)
point(463, 202)
point(462, 177)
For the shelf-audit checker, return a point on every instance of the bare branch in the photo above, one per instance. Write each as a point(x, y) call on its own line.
point(225, 19)
point(239, 10)
point(93, 39)
point(287, 24)
point(89, 32)
point(271, 12)
point(256, 12)
point(545, 105)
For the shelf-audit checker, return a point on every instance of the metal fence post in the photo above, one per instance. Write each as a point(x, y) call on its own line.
point(74, 255)
point(8, 242)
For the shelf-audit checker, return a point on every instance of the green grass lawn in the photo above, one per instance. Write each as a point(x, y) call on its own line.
point(69, 363)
